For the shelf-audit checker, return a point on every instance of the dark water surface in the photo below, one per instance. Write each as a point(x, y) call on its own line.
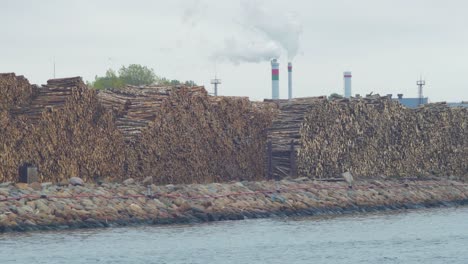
point(419, 236)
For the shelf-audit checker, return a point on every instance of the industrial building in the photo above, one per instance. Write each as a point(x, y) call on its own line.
point(461, 104)
point(415, 102)
point(411, 102)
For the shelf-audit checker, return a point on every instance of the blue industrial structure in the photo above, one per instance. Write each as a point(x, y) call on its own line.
point(411, 102)
point(415, 102)
point(462, 104)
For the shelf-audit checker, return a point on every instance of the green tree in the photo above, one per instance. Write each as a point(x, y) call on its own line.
point(165, 81)
point(110, 80)
point(335, 96)
point(136, 74)
point(190, 83)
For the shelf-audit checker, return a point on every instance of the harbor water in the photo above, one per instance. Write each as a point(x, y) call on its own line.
point(414, 236)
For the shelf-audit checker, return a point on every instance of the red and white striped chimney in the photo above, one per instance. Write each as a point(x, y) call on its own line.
point(274, 79)
point(347, 84)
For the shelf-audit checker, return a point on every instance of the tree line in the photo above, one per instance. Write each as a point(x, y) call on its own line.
point(133, 74)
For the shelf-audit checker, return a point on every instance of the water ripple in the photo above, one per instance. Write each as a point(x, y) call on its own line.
point(420, 236)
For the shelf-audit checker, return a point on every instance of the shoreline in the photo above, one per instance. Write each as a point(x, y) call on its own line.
point(52, 207)
point(199, 219)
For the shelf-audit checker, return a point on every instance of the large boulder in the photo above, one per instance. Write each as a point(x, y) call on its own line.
point(129, 181)
point(76, 181)
point(147, 181)
point(36, 186)
point(348, 178)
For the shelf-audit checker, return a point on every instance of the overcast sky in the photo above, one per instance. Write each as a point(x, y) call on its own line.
point(387, 44)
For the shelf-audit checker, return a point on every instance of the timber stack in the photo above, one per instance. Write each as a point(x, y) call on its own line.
point(182, 135)
point(371, 136)
point(65, 132)
point(376, 136)
point(15, 91)
point(53, 95)
point(174, 134)
point(135, 106)
point(199, 138)
point(284, 136)
point(79, 138)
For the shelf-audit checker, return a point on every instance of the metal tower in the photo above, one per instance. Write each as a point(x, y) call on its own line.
point(215, 82)
point(421, 84)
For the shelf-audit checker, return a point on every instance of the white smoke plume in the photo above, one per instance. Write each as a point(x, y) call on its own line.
point(265, 34)
point(237, 52)
point(282, 28)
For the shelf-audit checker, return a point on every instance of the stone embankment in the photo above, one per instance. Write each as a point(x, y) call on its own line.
point(45, 206)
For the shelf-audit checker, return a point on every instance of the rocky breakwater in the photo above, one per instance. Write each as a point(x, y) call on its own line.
point(45, 206)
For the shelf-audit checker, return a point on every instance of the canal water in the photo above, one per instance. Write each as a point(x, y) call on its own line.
point(419, 236)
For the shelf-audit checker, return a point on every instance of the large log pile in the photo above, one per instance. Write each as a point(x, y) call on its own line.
point(175, 134)
point(12, 133)
point(80, 139)
point(284, 135)
point(377, 136)
point(198, 138)
point(15, 91)
point(135, 107)
point(65, 132)
point(51, 96)
point(181, 135)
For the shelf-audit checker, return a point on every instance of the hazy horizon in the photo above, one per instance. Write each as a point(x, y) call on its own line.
point(387, 45)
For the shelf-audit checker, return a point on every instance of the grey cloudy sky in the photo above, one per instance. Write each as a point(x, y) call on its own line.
point(387, 44)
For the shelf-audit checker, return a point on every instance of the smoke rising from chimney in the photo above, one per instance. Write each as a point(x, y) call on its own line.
point(266, 35)
point(283, 29)
point(237, 52)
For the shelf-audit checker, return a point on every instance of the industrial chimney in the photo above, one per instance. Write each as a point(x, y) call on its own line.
point(274, 79)
point(347, 84)
point(289, 80)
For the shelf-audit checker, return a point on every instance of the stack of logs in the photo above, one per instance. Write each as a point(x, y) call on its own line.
point(376, 136)
point(65, 132)
point(182, 135)
point(175, 134)
point(14, 91)
point(372, 136)
point(193, 137)
point(51, 96)
point(135, 107)
point(284, 136)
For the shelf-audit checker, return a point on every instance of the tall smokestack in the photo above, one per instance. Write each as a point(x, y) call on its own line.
point(289, 80)
point(274, 79)
point(347, 84)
